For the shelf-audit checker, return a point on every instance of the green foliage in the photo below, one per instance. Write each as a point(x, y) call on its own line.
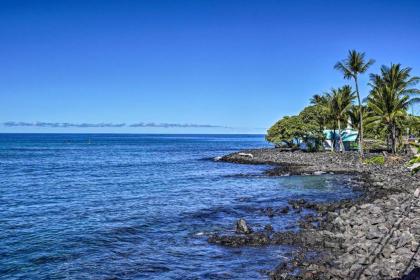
point(378, 160)
point(413, 125)
point(293, 130)
point(316, 115)
point(389, 100)
point(414, 160)
point(340, 103)
point(384, 118)
point(354, 116)
point(354, 64)
point(321, 110)
point(287, 131)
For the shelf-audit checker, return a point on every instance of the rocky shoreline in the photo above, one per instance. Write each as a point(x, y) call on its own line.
point(375, 236)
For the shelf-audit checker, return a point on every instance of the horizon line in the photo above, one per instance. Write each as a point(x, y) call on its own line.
point(144, 133)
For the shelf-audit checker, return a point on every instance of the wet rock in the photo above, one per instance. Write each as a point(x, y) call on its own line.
point(242, 227)
point(269, 212)
point(285, 210)
point(252, 239)
point(296, 204)
point(268, 229)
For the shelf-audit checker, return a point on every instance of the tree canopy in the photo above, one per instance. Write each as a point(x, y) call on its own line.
point(385, 110)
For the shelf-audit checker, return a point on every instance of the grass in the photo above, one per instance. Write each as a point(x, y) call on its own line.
point(378, 160)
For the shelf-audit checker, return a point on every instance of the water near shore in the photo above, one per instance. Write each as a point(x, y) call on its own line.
point(139, 206)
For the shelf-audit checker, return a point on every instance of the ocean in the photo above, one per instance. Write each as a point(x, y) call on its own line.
point(140, 206)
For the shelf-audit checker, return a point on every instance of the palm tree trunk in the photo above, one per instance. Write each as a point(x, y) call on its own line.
point(340, 142)
point(394, 140)
point(361, 118)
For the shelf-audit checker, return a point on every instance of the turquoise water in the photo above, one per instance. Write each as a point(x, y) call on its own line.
point(103, 206)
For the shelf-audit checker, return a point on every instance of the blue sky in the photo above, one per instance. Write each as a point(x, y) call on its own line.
point(219, 66)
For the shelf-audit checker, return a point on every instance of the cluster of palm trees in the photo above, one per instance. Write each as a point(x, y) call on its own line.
point(391, 95)
point(336, 106)
point(386, 107)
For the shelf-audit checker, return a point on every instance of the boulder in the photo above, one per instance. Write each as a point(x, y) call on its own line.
point(387, 251)
point(373, 233)
point(242, 227)
point(417, 193)
point(404, 239)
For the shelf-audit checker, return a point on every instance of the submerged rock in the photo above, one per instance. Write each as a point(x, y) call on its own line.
point(285, 210)
point(268, 229)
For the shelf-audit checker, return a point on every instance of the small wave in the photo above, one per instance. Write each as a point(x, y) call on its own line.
point(218, 158)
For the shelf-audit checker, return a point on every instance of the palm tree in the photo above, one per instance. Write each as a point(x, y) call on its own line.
point(391, 95)
point(319, 99)
point(321, 102)
point(340, 103)
point(354, 115)
point(351, 67)
point(389, 110)
point(400, 80)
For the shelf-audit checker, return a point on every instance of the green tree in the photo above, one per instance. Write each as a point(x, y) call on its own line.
point(392, 93)
point(293, 130)
point(288, 130)
point(354, 115)
point(320, 103)
point(389, 110)
point(315, 114)
point(351, 67)
point(413, 125)
point(400, 80)
point(314, 119)
point(340, 103)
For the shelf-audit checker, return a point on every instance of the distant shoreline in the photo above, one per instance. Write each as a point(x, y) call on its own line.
point(375, 235)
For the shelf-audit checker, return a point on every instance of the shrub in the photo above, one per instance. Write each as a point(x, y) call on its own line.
point(413, 161)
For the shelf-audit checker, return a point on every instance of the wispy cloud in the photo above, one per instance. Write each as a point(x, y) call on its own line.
point(64, 124)
point(140, 124)
point(172, 125)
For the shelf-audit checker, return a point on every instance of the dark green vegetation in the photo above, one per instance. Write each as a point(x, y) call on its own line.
point(382, 117)
point(375, 160)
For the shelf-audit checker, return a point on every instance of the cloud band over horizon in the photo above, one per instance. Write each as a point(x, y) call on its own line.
point(171, 125)
point(113, 125)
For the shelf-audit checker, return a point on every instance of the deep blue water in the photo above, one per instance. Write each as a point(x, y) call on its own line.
point(95, 206)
